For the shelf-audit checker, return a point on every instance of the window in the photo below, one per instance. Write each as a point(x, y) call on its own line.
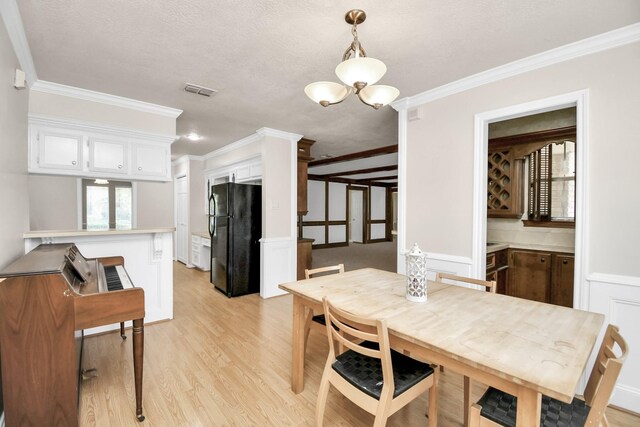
point(106, 205)
point(552, 185)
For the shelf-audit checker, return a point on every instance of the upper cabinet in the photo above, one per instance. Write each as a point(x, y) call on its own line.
point(65, 147)
point(505, 192)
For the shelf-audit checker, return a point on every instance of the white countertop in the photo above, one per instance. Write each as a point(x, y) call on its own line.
point(72, 233)
point(203, 234)
point(498, 246)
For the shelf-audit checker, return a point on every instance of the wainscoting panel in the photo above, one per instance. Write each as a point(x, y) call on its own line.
point(618, 298)
point(278, 264)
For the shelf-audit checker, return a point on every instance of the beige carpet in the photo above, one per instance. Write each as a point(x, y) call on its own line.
point(377, 255)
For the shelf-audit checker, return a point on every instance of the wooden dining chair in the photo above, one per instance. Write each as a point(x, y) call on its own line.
point(313, 320)
point(490, 286)
point(379, 380)
point(497, 408)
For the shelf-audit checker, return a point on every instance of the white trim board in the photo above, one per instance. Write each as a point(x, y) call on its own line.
point(13, 22)
point(104, 98)
point(609, 40)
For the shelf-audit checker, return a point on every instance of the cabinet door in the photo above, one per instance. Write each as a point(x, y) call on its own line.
point(107, 156)
point(562, 280)
point(151, 160)
point(58, 150)
point(530, 275)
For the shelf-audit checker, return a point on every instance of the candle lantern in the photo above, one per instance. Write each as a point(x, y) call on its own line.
point(416, 275)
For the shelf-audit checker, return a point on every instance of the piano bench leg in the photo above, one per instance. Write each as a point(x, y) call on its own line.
point(122, 334)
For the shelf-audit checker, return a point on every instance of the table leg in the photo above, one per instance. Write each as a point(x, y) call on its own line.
point(297, 344)
point(529, 405)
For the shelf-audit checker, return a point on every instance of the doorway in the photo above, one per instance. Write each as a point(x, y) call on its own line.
point(356, 215)
point(575, 99)
point(182, 221)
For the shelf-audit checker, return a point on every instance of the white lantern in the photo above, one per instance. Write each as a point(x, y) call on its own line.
point(416, 275)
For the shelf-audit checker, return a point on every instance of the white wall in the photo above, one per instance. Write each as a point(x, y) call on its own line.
point(13, 156)
point(440, 178)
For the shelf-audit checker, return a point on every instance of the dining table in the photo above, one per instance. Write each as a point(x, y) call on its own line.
point(525, 348)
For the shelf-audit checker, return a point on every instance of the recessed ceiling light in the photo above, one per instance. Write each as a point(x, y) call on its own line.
point(101, 181)
point(327, 156)
point(193, 137)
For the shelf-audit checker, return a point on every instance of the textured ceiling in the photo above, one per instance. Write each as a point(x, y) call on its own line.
point(261, 54)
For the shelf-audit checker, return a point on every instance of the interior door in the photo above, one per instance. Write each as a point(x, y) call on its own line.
point(356, 205)
point(182, 229)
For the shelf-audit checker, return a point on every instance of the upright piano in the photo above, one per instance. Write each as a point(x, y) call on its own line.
point(47, 298)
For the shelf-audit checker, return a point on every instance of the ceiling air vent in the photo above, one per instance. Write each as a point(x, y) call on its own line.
point(199, 90)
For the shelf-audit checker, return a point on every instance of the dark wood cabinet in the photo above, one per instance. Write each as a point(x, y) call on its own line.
point(304, 157)
point(562, 279)
point(304, 256)
point(505, 191)
point(498, 269)
point(530, 275)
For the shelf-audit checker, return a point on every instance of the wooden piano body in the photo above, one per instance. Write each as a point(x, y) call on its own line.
point(47, 298)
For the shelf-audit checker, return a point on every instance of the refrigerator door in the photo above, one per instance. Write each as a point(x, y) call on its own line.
point(245, 240)
point(221, 199)
point(220, 254)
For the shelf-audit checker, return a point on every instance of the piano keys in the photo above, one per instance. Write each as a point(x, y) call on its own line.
point(47, 298)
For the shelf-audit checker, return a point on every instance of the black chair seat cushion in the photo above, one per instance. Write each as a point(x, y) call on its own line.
point(319, 318)
point(365, 373)
point(501, 407)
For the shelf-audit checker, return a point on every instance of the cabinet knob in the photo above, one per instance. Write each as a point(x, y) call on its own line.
point(74, 163)
point(119, 166)
point(564, 261)
point(139, 168)
point(542, 259)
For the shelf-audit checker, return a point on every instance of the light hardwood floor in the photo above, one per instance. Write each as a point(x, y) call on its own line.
point(226, 362)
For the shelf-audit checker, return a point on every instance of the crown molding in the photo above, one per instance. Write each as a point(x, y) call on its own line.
point(591, 45)
point(13, 22)
point(258, 136)
point(104, 98)
point(93, 127)
point(186, 158)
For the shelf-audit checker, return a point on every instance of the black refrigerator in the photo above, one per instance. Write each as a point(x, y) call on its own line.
point(235, 226)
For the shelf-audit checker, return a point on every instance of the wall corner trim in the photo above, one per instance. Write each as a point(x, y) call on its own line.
point(279, 134)
point(13, 21)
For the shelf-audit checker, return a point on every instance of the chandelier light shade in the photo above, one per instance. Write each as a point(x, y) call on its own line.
point(327, 93)
point(362, 70)
point(359, 73)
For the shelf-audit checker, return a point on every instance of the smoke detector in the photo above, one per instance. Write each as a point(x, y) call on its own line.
point(199, 90)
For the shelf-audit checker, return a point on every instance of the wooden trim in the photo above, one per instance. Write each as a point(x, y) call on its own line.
point(388, 214)
point(326, 211)
point(330, 245)
point(361, 171)
point(377, 240)
point(523, 138)
point(378, 221)
point(323, 223)
point(356, 156)
point(368, 181)
point(549, 224)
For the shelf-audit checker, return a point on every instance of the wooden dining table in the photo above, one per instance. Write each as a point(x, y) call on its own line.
point(522, 347)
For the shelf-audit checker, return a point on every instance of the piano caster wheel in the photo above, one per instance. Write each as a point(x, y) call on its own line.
point(88, 374)
point(140, 418)
point(124, 337)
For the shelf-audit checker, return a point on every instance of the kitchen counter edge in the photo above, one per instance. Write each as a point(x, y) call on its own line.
point(73, 233)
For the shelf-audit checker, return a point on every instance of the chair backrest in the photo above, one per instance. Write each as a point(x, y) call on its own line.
point(351, 331)
point(330, 269)
point(490, 286)
point(604, 374)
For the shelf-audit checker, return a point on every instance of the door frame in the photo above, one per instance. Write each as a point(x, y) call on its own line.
point(578, 99)
point(175, 218)
point(365, 211)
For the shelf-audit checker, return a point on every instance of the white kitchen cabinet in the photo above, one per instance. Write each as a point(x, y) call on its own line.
point(150, 160)
point(108, 156)
point(201, 252)
point(67, 147)
point(57, 149)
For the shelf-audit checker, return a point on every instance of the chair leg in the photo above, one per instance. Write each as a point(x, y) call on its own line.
point(323, 392)
point(433, 400)
point(467, 400)
point(384, 405)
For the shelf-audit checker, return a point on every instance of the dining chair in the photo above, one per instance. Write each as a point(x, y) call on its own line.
point(316, 321)
point(379, 380)
point(497, 408)
point(490, 286)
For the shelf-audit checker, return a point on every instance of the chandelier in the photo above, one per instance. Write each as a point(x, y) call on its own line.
point(359, 73)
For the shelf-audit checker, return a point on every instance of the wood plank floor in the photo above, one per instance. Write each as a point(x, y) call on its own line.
point(226, 362)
